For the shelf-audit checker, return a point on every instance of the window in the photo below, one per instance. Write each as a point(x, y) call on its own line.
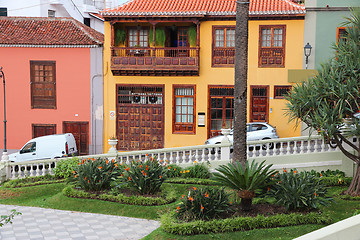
point(39, 130)
point(184, 109)
point(87, 21)
point(28, 148)
point(138, 37)
point(341, 34)
point(223, 46)
point(3, 12)
point(281, 91)
point(51, 13)
point(43, 79)
point(221, 109)
point(272, 46)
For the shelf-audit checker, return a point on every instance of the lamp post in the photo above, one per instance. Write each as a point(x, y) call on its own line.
point(307, 52)
point(5, 155)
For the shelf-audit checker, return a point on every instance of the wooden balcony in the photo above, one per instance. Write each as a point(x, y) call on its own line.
point(155, 61)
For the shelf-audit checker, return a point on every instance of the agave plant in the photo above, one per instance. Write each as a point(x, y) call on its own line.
point(245, 180)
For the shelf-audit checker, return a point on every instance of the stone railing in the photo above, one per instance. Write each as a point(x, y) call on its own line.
point(291, 152)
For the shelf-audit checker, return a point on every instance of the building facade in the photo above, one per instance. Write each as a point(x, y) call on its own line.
point(53, 69)
point(170, 69)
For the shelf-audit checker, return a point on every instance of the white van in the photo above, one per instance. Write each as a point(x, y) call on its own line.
point(50, 146)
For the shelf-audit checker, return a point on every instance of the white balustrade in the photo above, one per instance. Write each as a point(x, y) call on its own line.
point(188, 155)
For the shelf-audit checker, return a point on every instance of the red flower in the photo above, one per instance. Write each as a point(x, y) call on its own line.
point(129, 178)
point(100, 167)
point(202, 208)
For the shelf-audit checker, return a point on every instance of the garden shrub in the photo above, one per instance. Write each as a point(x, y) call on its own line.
point(203, 204)
point(198, 181)
point(95, 174)
point(196, 171)
point(328, 173)
point(299, 190)
point(172, 225)
point(146, 177)
point(174, 171)
point(336, 181)
point(64, 168)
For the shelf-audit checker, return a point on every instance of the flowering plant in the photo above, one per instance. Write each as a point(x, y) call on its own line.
point(146, 177)
point(203, 204)
point(299, 190)
point(113, 137)
point(95, 174)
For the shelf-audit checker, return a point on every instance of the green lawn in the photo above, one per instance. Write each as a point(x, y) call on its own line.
point(50, 196)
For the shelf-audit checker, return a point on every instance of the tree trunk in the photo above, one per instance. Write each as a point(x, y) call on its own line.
point(246, 204)
point(240, 85)
point(354, 188)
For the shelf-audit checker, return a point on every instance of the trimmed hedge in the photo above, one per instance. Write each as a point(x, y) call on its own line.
point(171, 225)
point(170, 196)
point(348, 197)
point(336, 181)
point(199, 181)
point(32, 181)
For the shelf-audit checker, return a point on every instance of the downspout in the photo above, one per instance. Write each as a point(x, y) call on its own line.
point(93, 134)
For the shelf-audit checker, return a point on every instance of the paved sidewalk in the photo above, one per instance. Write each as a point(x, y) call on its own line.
point(50, 224)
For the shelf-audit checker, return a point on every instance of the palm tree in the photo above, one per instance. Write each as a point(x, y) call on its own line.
point(246, 180)
point(240, 85)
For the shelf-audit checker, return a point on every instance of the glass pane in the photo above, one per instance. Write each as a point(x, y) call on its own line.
point(178, 118)
point(178, 110)
point(178, 101)
point(183, 119)
point(191, 119)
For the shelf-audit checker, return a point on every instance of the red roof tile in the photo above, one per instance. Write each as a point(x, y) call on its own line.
point(202, 7)
point(47, 31)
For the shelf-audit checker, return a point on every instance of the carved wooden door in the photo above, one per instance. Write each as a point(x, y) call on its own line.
point(259, 104)
point(140, 118)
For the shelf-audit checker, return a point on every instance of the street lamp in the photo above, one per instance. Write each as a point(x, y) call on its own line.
point(307, 52)
point(5, 155)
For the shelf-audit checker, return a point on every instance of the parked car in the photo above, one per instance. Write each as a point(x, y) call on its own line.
point(255, 131)
point(50, 146)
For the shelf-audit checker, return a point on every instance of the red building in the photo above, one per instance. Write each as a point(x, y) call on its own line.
point(53, 70)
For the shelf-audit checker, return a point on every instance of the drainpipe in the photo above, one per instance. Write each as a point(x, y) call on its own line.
point(93, 119)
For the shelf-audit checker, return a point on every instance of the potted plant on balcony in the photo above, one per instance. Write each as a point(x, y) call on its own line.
point(160, 38)
point(119, 40)
point(192, 35)
point(120, 37)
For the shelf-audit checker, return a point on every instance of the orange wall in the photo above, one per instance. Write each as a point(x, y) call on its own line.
point(72, 91)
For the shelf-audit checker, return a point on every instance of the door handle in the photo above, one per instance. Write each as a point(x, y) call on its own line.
point(34, 154)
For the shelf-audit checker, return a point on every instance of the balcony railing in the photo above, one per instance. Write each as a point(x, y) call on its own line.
point(272, 57)
point(155, 59)
point(223, 56)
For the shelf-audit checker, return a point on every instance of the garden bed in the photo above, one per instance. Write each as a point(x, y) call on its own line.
point(166, 196)
point(171, 225)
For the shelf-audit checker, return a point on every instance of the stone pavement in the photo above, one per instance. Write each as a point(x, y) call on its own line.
point(50, 224)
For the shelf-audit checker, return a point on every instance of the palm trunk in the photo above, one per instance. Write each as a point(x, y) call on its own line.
point(246, 204)
point(240, 85)
point(354, 188)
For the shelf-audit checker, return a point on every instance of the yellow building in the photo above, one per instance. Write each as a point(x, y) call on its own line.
point(175, 87)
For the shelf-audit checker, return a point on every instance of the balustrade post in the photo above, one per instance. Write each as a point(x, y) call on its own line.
point(225, 151)
point(5, 170)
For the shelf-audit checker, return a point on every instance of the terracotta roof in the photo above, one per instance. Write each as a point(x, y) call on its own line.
point(49, 32)
point(202, 8)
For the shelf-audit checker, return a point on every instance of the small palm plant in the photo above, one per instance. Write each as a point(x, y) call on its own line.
point(245, 180)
